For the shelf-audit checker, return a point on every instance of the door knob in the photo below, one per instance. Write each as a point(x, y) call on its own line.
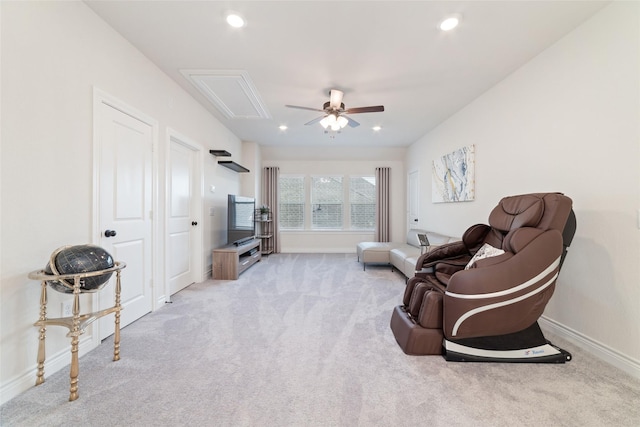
point(194, 223)
point(109, 233)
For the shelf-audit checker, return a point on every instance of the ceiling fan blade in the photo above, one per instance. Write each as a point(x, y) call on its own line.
point(335, 98)
point(304, 108)
point(372, 109)
point(314, 121)
point(352, 123)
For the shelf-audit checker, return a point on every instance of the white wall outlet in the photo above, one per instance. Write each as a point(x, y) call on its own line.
point(212, 211)
point(67, 308)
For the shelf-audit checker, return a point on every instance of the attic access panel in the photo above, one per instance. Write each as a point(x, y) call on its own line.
point(231, 91)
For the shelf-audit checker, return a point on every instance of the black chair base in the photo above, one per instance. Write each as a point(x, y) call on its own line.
point(527, 346)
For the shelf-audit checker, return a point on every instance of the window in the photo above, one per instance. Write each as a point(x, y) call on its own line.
point(326, 202)
point(362, 202)
point(292, 198)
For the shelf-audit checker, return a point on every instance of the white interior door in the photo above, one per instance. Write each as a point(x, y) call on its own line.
point(125, 152)
point(413, 199)
point(183, 216)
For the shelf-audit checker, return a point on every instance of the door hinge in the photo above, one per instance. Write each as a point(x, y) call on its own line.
point(150, 214)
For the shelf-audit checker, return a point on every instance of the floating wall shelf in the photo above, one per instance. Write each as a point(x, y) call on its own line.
point(232, 165)
point(220, 153)
point(228, 163)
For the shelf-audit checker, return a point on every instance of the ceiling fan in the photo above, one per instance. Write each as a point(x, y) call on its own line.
point(335, 114)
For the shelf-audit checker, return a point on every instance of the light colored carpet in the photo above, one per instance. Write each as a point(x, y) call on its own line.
point(304, 340)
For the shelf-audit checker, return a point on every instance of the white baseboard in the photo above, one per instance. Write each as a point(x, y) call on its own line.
point(597, 349)
point(52, 364)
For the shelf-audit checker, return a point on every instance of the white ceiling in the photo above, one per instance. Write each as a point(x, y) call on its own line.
point(387, 53)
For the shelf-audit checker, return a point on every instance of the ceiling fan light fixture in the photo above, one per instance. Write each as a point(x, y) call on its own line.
point(449, 23)
point(334, 122)
point(330, 120)
point(235, 20)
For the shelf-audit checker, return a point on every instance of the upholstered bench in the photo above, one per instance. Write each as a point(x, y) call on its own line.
point(375, 252)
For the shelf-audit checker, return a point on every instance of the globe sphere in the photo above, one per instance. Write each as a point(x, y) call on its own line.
point(79, 259)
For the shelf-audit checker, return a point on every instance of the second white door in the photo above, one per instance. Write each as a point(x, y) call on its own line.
point(184, 223)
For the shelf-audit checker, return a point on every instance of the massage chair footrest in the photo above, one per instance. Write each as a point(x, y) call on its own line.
point(412, 338)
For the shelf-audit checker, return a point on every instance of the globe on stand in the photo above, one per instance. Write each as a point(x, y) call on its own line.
point(79, 259)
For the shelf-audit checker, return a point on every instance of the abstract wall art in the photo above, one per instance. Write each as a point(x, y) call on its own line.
point(453, 176)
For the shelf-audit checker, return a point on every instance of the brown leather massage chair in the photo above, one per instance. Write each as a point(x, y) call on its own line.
point(489, 311)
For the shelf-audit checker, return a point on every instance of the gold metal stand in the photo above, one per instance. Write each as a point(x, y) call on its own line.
point(76, 323)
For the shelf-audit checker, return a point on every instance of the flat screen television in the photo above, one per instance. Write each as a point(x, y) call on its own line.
point(241, 226)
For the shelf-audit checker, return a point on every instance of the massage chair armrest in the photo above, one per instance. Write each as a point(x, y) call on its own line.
point(448, 251)
point(441, 271)
point(453, 264)
point(454, 252)
point(447, 268)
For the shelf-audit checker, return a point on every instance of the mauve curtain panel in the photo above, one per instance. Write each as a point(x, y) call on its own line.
point(382, 204)
point(270, 177)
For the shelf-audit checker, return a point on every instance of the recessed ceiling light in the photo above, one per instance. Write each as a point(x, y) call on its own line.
point(449, 23)
point(376, 128)
point(283, 127)
point(235, 20)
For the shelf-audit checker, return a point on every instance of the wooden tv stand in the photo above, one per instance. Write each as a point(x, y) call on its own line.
point(231, 260)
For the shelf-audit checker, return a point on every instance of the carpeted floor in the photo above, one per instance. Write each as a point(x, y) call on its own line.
point(304, 340)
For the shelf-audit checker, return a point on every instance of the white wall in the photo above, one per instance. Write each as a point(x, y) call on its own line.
point(53, 54)
point(250, 183)
point(567, 121)
point(324, 160)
